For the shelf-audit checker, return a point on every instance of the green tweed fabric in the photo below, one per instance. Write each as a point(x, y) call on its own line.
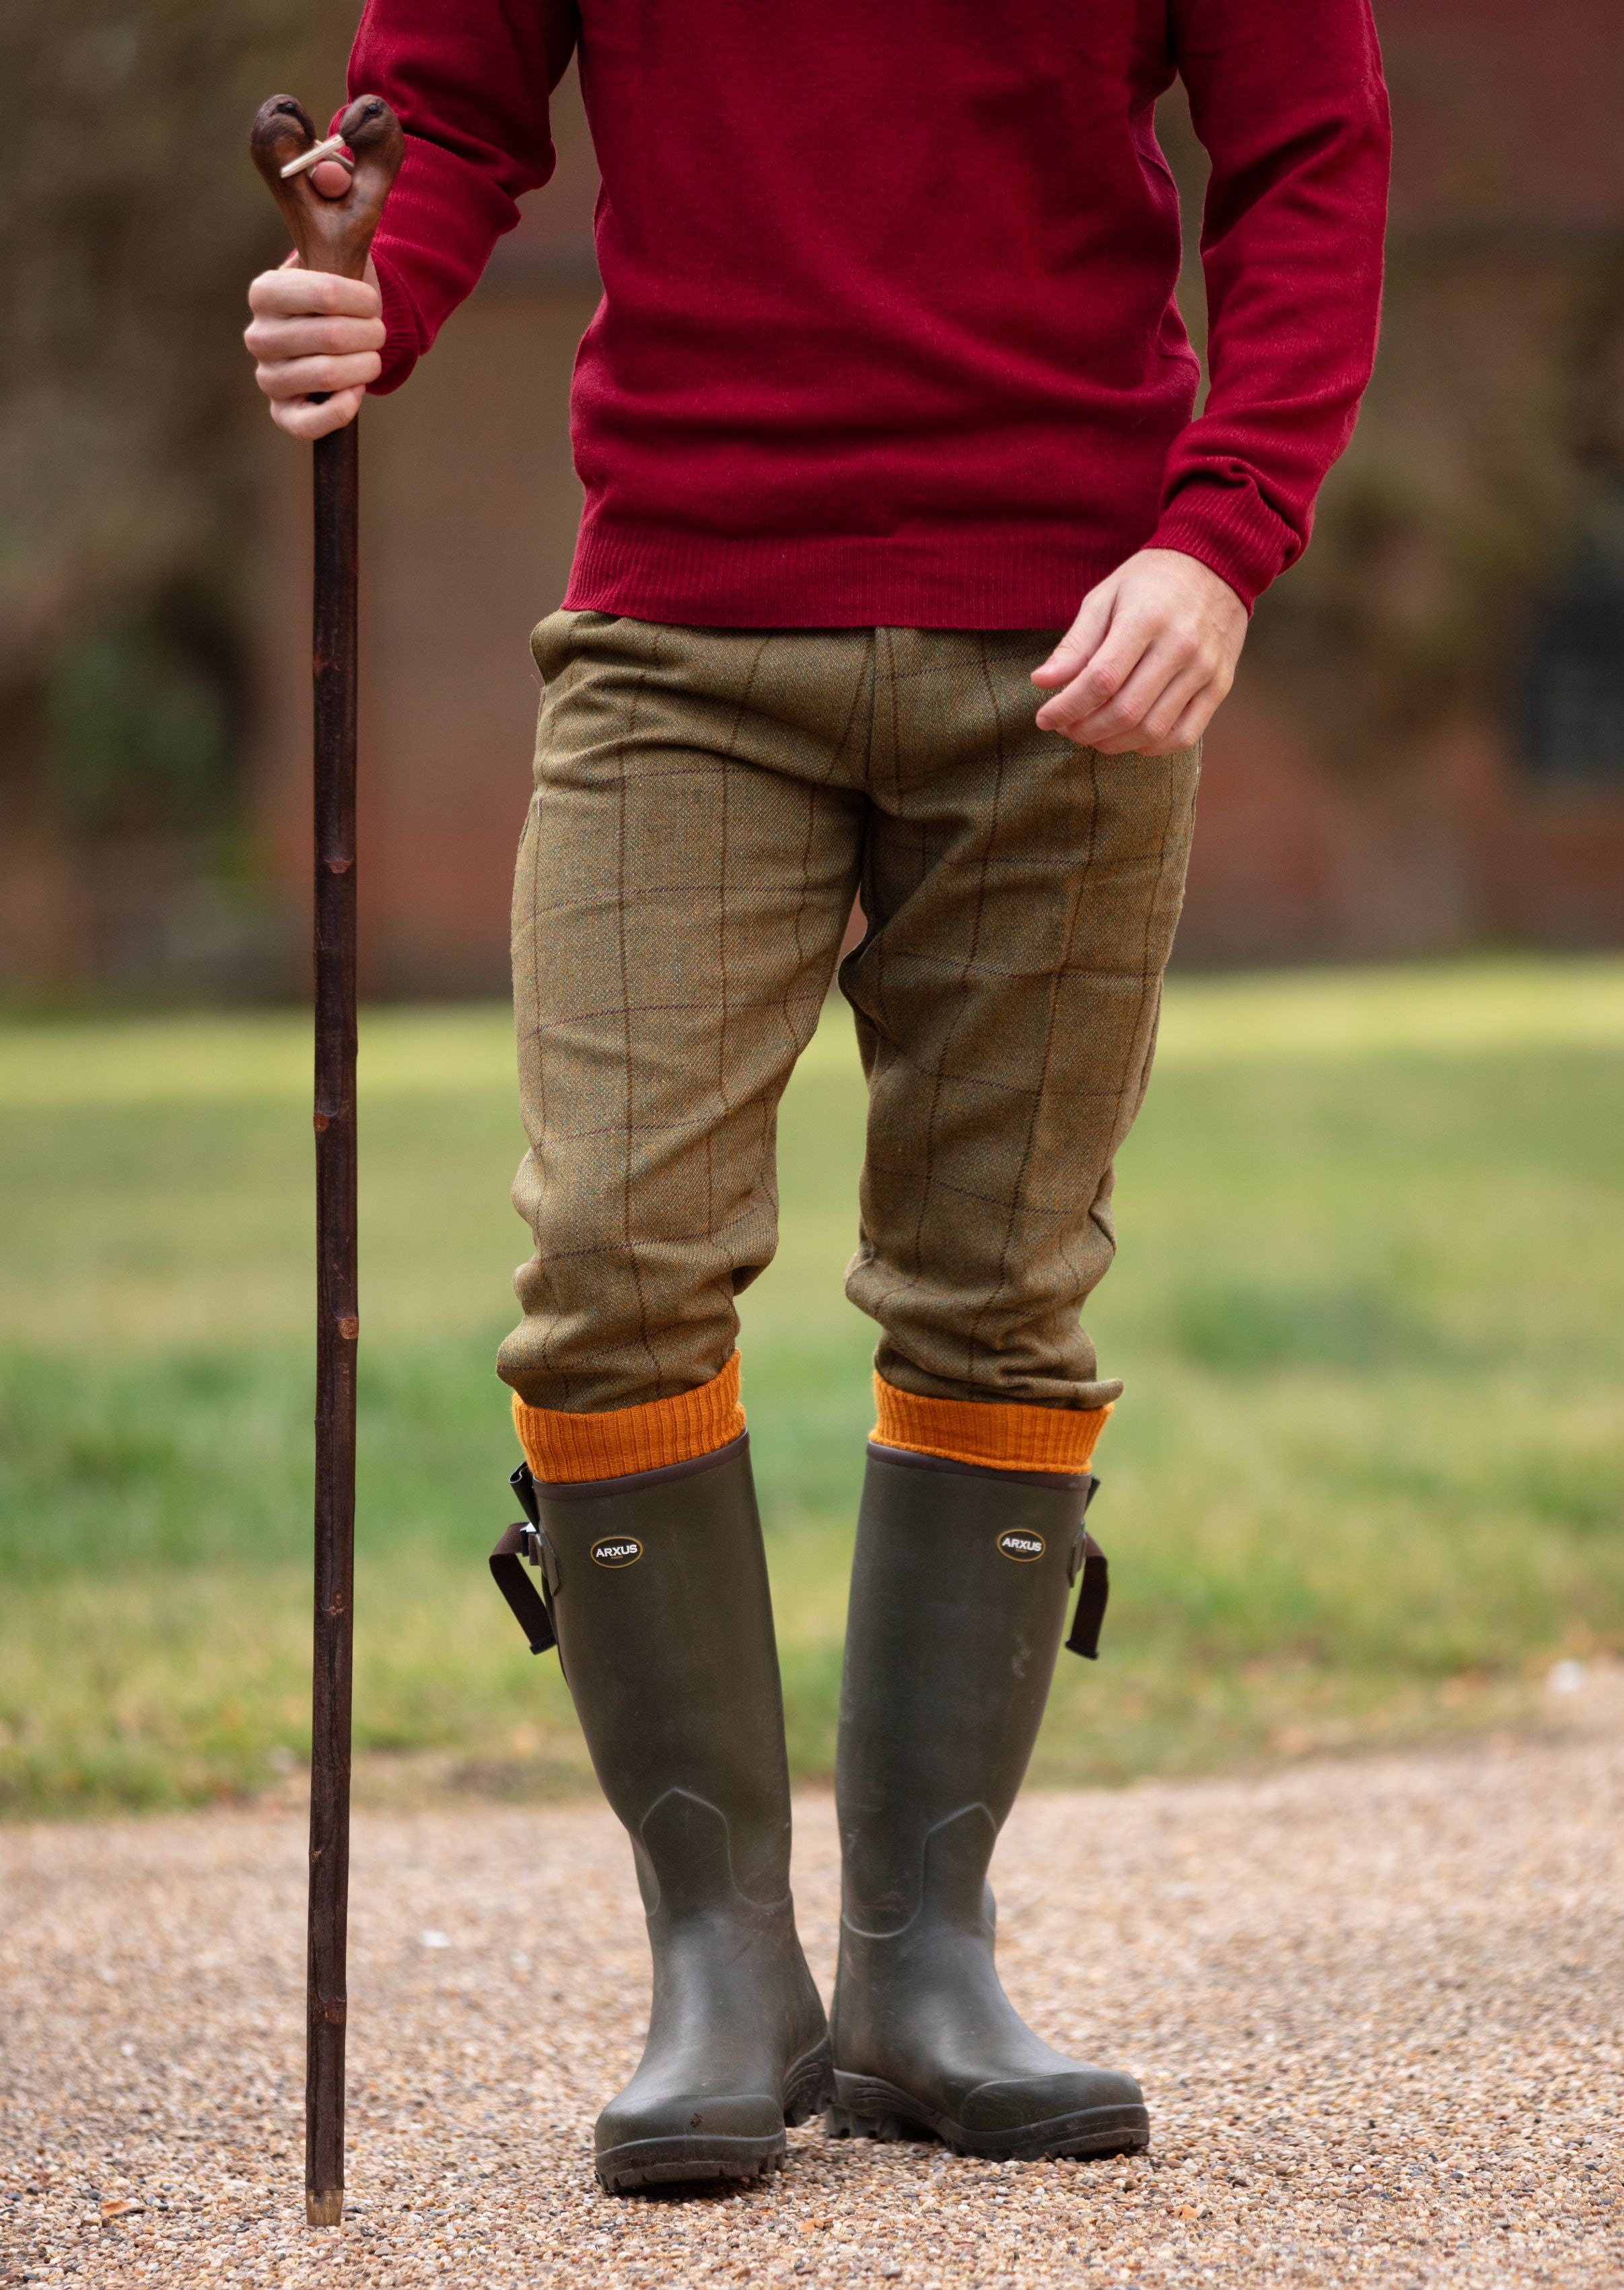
point(706, 802)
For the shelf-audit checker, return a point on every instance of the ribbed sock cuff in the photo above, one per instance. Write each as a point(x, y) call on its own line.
point(561, 1448)
point(997, 1435)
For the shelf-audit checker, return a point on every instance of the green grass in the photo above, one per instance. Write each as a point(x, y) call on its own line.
point(1366, 1485)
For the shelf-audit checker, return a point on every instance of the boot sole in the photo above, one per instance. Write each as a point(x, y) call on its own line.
point(865, 2106)
point(687, 2161)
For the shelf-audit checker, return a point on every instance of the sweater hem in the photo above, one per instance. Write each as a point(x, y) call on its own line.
point(977, 578)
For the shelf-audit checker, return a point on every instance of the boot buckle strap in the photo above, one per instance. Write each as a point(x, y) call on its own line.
point(527, 1539)
point(1089, 1560)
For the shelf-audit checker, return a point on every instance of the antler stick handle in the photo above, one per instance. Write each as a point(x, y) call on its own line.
point(333, 234)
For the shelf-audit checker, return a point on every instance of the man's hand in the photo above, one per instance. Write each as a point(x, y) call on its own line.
point(1152, 652)
point(313, 333)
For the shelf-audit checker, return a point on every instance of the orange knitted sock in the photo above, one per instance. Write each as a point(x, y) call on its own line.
point(560, 1448)
point(997, 1435)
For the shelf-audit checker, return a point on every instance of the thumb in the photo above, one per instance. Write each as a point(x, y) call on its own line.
point(1083, 639)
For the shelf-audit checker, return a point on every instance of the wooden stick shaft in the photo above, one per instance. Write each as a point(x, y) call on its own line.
point(337, 1322)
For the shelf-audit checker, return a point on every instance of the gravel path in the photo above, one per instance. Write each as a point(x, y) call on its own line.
point(1375, 2006)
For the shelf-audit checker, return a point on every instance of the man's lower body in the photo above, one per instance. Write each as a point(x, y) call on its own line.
point(708, 802)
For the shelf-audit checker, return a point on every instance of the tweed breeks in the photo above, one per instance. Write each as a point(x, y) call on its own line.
point(707, 801)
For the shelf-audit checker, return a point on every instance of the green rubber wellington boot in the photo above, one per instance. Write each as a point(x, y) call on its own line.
point(958, 1600)
point(658, 1597)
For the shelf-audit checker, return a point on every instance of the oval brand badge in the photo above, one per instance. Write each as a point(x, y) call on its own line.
point(1015, 1542)
point(617, 1550)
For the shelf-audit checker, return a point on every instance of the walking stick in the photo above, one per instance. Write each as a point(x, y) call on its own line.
point(332, 235)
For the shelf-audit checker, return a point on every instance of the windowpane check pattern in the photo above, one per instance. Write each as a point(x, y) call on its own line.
point(707, 801)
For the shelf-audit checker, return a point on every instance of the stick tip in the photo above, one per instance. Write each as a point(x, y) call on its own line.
point(325, 2208)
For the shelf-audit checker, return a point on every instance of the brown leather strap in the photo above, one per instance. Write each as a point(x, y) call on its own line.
point(1088, 1556)
point(508, 1570)
point(1092, 1597)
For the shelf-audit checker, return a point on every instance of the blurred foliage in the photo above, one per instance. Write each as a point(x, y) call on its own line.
point(131, 224)
point(1486, 451)
point(138, 724)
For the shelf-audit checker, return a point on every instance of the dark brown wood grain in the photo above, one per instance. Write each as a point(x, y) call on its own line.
point(333, 234)
point(338, 1309)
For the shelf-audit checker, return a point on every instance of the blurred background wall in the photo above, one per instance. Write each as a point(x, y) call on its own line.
point(1425, 750)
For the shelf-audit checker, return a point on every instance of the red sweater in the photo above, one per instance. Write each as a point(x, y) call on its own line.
point(888, 331)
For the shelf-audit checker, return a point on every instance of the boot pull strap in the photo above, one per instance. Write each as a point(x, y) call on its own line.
point(1087, 1558)
point(526, 1539)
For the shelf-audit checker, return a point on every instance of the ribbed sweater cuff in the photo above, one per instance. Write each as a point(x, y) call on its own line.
point(561, 1448)
point(402, 334)
point(1233, 532)
point(997, 1435)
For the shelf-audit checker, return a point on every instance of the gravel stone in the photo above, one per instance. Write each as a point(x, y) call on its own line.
point(1375, 2006)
